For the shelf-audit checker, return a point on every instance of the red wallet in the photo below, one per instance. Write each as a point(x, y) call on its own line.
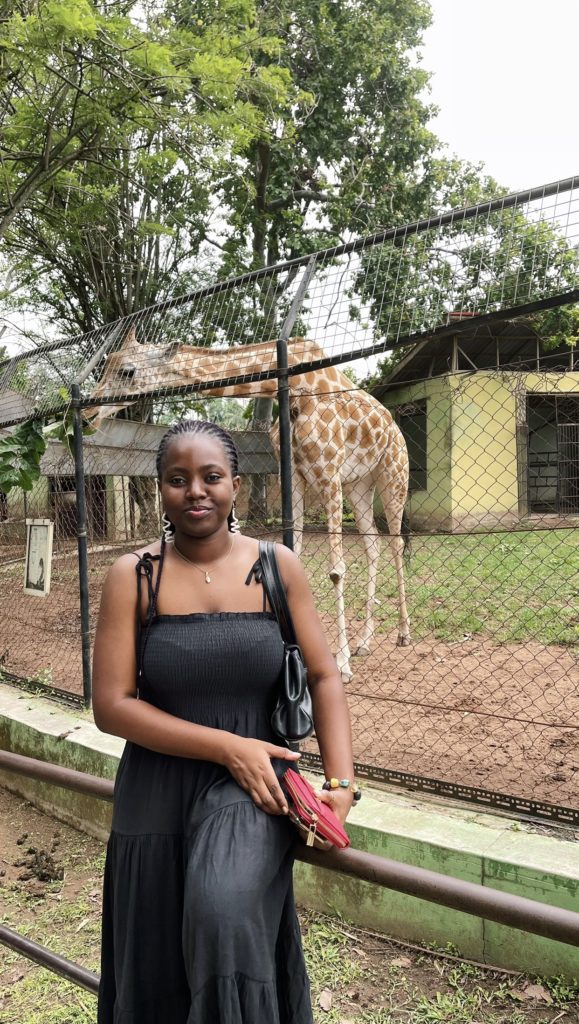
point(315, 821)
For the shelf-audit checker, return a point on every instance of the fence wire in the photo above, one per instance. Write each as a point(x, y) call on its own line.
point(475, 429)
point(509, 256)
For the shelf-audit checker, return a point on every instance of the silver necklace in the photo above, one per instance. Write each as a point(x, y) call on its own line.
point(199, 567)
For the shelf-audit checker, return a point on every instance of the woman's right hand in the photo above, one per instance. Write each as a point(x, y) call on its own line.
point(249, 761)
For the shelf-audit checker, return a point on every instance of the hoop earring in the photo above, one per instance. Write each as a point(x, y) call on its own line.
point(168, 529)
point(233, 521)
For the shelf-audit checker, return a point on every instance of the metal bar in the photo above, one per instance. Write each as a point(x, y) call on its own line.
point(283, 390)
point(66, 778)
point(534, 809)
point(100, 352)
point(37, 686)
point(468, 897)
point(47, 346)
point(567, 298)
point(52, 961)
point(564, 299)
point(81, 534)
point(365, 242)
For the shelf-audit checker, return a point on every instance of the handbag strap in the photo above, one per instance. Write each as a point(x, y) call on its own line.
point(273, 585)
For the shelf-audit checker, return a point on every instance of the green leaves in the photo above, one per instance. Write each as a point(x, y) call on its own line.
point(72, 19)
point(20, 455)
point(334, 155)
point(84, 82)
point(22, 450)
point(118, 133)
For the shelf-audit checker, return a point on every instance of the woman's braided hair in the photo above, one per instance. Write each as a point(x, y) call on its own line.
point(208, 429)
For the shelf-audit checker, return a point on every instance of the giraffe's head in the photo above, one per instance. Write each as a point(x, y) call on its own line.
point(133, 368)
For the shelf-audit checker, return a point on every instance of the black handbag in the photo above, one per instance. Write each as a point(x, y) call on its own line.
point(292, 717)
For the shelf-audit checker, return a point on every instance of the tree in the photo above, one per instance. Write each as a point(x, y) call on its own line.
point(343, 163)
point(138, 116)
point(327, 135)
point(349, 162)
point(113, 225)
point(70, 74)
point(494, 262)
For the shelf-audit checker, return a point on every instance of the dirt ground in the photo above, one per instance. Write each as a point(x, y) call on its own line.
point(472, 712)
point(50, 890)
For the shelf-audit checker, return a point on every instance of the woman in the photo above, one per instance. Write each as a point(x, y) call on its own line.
point(199, 924)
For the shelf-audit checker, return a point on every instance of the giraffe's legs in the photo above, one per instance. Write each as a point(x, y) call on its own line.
point(361, 497)
point(338, 572)
point(393, 503)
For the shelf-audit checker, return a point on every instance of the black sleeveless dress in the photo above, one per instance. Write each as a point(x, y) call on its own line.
point(199, 922)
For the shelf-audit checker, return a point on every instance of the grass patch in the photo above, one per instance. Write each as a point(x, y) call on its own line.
point(42, 998)
point(356, 978)
point(362, 978)
point(512, 587)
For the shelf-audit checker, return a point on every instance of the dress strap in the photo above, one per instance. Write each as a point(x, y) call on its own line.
point(144, 568)
point(256, 572)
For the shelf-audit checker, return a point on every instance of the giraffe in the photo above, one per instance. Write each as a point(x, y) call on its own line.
point(343, 442)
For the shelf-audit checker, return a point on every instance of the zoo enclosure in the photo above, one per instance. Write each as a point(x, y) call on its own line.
point(483, 704)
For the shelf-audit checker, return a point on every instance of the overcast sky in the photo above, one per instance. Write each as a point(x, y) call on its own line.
point(506, 79)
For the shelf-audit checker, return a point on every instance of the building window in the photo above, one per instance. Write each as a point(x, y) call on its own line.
point(411, 419)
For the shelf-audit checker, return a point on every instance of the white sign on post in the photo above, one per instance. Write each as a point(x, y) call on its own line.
point(38, 556)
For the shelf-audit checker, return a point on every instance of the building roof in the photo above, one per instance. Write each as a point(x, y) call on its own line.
point(129, 448)
point(501, 344)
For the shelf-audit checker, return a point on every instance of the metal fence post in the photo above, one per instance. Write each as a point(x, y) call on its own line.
point(285, 440)
point(81, 534)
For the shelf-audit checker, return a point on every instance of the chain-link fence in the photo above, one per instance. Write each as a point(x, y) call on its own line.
point(460, 659)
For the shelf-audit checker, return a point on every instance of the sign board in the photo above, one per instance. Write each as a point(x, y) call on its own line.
point(38, 563)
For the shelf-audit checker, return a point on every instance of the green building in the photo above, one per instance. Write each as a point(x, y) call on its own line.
point(491, 420)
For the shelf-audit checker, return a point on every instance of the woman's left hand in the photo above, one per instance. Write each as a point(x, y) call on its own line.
point(340, 801)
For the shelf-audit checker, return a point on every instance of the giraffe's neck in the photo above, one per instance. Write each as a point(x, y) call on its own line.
point(252, 360)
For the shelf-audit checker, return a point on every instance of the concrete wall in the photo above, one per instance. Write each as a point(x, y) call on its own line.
point(484, 450)
point(431, 509)
point(553, 383)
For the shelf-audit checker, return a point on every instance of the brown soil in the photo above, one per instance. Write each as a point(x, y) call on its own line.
point(472, 713)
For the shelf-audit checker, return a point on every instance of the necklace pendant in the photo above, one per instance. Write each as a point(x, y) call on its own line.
point(207, 578)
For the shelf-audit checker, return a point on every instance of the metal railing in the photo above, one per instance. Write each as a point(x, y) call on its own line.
point(468, 897)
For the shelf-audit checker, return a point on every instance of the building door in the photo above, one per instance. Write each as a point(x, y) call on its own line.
point(96, 507)
point(568, 443)
point(63, 506)
point(553, 453)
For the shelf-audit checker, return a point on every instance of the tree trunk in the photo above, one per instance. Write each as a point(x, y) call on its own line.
point(143, 493)
point(257, 503)
point(143, 489)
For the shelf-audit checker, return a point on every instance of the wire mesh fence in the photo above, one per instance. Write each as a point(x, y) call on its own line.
point(460, 660)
